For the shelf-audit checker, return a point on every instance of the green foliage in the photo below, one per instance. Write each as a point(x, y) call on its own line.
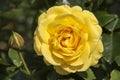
point(117, 59)
point(115, 75)
point(105, 18)
point(22, 15)
point(111, 42)
point(52, 76)
point(87, 75)
point(14, 56)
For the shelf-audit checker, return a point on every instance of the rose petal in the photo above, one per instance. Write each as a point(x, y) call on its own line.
point(85, 66)
point(48, 55)
point(57, 54)
point(60, 70)
point(77, 8)
point(58, 10)
point(83, 57)
point(69, 19)
point(43, 22)
point(46, 62)
point(42, 30)
point(93, 59)
point(94, 33)
point(97, 53)
point(91, 16)
point(37, 45)
point(69, 68)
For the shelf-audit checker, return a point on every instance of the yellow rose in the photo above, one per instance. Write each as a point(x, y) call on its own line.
point(69, 38)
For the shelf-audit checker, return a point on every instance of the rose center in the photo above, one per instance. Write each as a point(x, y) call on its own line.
point(65, 38)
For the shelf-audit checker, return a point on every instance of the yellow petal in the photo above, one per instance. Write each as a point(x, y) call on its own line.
point(46, 62)
point(58, 10)
point(70, 69)
point(44, 34)
point(93, 29)
point(65, 20)
point(60, 70)
point(93, 59)
point(93, 34)
point(69, 19)
point(53, 27)
point(42, 17)
point(48, 55)
point(70, 59)
point(37, 45)
point(89, 15)
point(43, 22)
point(92, 26)
point(85, 66)
point(99, 29)
point(97, 53)
point(83, 57)
point(58, 54)
point(77, 8)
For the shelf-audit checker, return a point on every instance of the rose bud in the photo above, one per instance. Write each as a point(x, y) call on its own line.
point(16, 40)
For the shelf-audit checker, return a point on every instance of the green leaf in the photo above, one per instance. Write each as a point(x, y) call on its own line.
point(111, 39)
point(117, 28)
point(52, 76)
point(14, 56)
point(111, 26)
point(117, 59)
point(104, 18)
point(111, 46)
point(115, 75)
point(67, 79)
point(11, 69)
point(85, 4)
point(11, 75)
point(88, 75)
point(4, 59)
point(14, 14)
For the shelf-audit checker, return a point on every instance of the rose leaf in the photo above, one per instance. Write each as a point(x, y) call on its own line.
point(115, 75)
point(13, 54)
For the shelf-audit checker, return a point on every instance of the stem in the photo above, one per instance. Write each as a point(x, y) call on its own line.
point(25, 66)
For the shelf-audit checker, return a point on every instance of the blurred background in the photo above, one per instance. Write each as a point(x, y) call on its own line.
point(22, 15)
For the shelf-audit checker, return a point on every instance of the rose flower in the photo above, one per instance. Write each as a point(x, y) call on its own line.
point(68, 38)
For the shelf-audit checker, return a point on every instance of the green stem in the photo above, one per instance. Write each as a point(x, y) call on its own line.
point(25, 66)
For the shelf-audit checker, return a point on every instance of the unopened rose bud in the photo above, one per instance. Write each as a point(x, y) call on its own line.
point(16, 40)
